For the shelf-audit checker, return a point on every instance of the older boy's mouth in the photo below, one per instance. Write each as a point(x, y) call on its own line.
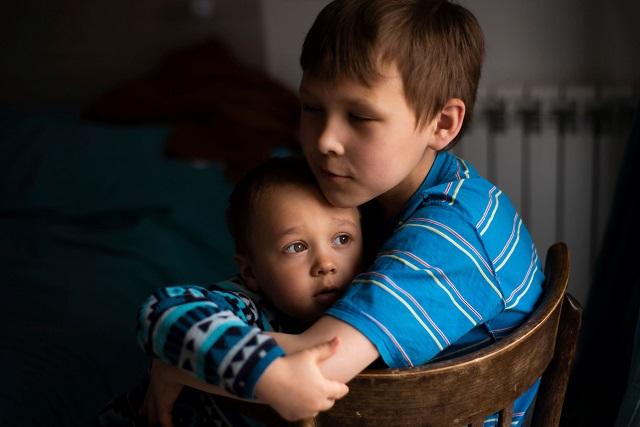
point(333, 176)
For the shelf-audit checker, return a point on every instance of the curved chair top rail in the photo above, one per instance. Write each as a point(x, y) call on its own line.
point(464, 389)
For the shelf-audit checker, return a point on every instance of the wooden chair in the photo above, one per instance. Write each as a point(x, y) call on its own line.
point(466, 389)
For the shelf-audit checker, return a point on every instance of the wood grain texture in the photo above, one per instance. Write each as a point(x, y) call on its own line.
point(464, 390)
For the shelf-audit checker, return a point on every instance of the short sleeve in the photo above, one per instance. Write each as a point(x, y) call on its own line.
point(430, 284)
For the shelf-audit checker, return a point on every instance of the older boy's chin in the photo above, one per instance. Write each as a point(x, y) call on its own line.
point(311, 318)
point(341, 199)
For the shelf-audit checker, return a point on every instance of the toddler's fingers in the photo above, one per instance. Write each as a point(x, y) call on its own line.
point(148, 410)
point(152, 417)
point(164, 415)
point(337, 390)
point(165, 420)
point(325, 350)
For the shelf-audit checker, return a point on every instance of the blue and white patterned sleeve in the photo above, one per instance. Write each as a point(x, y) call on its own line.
point(213, 335)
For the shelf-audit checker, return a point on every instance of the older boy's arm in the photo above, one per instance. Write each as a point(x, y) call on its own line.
point(312, 372)
point(351, 357)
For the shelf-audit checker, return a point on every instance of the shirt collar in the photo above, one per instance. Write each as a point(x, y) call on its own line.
point(433, 178)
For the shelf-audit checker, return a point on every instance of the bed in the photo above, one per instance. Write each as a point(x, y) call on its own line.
point(100, 206)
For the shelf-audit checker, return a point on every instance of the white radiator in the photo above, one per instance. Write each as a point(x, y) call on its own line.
point(556, 151)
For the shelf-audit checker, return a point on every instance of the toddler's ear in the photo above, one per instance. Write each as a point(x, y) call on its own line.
point(449, 123)
point(246, 272)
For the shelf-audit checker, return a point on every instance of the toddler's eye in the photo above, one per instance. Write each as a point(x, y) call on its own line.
point(295, 248)
point(342, 240)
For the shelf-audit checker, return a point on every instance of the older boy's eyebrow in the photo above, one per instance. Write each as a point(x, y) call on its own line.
point(304, 91)
point(363, 106)
point(354, 103)
point(346, 100)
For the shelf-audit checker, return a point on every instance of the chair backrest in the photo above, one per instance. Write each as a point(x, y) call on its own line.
point(464, 390)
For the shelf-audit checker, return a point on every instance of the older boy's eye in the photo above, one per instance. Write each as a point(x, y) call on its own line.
point(311, 108)
point(360, 119)
point(342, 240)
point(295, 248)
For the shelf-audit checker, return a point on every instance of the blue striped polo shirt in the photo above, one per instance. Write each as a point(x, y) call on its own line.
point(459, 271)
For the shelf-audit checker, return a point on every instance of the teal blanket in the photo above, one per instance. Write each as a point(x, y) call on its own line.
point(92, 218)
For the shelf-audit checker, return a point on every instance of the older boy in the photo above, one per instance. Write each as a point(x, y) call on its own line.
point(386, 87)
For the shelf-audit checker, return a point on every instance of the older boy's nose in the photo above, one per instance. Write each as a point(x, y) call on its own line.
point(329, 142)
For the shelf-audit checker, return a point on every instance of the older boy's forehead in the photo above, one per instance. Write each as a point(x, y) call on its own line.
point(317, 88)
point(346, 90)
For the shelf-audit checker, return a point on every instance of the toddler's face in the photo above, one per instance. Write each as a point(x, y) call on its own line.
point(361, 142)
point(305, 251)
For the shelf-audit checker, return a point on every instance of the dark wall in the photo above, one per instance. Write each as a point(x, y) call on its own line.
point(62, 53)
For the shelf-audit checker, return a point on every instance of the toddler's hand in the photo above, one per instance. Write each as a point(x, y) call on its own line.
point(294, 386)
point(164, 388)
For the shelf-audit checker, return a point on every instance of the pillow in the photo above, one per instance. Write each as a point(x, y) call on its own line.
point(222, 111)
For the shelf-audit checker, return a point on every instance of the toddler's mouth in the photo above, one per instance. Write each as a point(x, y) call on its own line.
point(328, 295)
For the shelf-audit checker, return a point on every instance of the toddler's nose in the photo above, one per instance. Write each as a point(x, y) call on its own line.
point(324, 267)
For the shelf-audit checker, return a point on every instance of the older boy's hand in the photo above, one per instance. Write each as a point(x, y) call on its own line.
point(164, 388)
point(294, 385)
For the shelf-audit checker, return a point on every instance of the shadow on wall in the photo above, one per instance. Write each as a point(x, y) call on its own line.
point(609, 350)
point(62, 54)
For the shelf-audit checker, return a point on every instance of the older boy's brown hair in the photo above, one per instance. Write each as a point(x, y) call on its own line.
point(437, 46)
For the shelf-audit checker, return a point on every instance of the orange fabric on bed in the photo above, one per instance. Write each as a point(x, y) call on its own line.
point(221, 110)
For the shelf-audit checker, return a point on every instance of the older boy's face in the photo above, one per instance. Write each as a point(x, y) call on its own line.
point(305, 251)
point(362, 143)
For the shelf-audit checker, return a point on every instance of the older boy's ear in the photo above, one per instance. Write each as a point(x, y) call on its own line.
point(246, 272)
point(449, 123)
